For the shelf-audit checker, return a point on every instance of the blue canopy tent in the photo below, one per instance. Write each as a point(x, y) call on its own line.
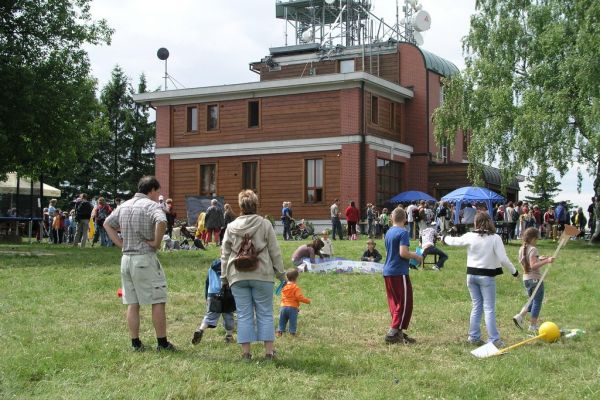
point(410, 196)
point(472, 194)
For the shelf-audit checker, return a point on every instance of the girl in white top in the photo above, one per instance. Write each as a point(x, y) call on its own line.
point(485, 258)
point(531, 263)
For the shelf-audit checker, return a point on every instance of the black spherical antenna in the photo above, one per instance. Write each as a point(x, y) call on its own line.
point(162, 53)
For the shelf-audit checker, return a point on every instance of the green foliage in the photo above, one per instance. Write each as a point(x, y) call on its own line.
point(64, 334)
point(48, 102)
point(545, 186)
point(529, 95)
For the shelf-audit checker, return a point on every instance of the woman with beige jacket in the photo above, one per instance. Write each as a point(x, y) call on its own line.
point(253, 290)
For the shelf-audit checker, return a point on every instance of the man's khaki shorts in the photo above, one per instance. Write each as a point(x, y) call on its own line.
point(143, 279)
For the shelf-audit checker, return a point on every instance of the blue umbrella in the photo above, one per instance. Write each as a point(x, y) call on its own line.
point(411, 195)
point(469, 194)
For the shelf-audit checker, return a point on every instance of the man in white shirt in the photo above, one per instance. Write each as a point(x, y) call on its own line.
point(411, 221)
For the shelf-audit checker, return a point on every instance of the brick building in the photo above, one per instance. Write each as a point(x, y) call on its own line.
point(354, 124)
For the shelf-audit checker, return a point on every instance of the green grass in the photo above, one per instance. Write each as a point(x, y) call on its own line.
point(63, 334)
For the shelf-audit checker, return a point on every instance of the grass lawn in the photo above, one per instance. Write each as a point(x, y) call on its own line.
point(63, 334)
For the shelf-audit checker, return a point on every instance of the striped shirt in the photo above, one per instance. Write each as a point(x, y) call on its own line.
point(136, 219)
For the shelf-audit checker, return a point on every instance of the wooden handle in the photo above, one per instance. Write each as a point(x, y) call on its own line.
point(506, 349)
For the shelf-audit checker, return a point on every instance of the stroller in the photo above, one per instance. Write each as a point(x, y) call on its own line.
point(188, 237)
point(300, 231)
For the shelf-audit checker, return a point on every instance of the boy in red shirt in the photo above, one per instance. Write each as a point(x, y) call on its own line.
point(291, 297)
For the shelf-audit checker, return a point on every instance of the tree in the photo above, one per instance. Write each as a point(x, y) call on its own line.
point(545, 185)
point(48, 96)
point(129, 152)
point(529, 95)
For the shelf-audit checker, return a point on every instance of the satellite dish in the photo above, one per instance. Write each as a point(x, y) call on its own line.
point(307, 35)
point(418, 7)
point(329, 1)
point(421, 21)
point(418, 38)
point(162, 53)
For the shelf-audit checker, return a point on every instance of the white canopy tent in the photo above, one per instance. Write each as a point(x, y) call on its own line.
point(10, 187)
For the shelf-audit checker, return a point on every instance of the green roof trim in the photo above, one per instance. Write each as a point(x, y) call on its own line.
point(438, 64)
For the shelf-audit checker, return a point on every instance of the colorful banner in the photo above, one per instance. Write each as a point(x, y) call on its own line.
point(341, 266)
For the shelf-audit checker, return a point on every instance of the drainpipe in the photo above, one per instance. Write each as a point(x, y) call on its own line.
point(362, 149)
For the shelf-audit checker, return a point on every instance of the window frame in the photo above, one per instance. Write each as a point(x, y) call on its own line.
point(201, 177)
point(256, 176)
point(248, 115)
point(188, 120)
point(392, 116)
point(347, 61)
point(208, 118)
point(315, 188)
point(382, 194)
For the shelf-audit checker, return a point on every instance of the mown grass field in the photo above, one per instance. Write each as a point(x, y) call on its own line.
point(63, 334)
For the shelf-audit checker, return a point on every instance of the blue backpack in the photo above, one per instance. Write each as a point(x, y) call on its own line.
point(214, 279)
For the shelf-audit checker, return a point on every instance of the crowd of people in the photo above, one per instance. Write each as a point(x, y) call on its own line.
point(251, 258)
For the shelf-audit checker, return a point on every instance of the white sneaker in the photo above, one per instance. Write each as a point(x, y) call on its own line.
point(518, 320)
point(435, 268)
point(534, 329)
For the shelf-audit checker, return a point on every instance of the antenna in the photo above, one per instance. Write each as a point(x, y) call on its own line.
point(163, 54)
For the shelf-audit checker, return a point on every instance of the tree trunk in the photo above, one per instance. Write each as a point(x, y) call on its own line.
point(595, 239)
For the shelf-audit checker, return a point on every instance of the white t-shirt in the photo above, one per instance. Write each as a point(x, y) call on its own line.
point(409, 212)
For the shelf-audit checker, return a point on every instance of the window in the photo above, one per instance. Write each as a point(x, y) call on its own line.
point(374, 110)
point(250, 176)
point(389, 174)
point(346, 66)
point(253, 114)
point(192, 119)
point(208, 181)
point(392, 116)
point(212, 117)
point(314, 181)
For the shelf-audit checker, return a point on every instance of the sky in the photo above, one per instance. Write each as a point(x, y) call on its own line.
point(212, 43)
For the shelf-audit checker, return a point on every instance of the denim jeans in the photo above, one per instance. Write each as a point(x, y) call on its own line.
point(483, 296)
point(336, 226)
point(254, 303)
point(288, 314)
point(442, 257)
point(536, 305)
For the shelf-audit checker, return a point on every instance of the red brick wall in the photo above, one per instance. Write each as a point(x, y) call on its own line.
point(350, 175)
point(163, 173)
point(163, 126)
point(350, 111)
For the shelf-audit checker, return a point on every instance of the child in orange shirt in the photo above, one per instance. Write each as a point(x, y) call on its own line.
point(291, 297)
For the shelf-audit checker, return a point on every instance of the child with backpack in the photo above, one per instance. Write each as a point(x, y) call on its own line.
point(212, 288)
point(291, 297)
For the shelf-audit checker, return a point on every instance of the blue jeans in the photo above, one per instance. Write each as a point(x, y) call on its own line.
point(336, 226)
point(288, 314)
point(287, 233)
point(483, 296)
point(442, 257)
point(254, 303)
point(536, 305)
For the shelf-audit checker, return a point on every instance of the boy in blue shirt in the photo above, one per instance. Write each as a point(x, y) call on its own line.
point(397, 282)
point(211, 289)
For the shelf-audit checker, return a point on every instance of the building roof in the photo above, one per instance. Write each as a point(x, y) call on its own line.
point(278, 87)
point(438, 64)
point(492, 176)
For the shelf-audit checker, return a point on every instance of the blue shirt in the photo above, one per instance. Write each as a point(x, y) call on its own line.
point(394, 264)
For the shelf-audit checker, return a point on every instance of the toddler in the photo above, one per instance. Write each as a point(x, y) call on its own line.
point(531, 263)
point(291, 297)
point(327, 250)
point(371, 254)
point(212, 288)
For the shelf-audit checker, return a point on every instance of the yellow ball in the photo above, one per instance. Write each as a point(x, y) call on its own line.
point(550, 331)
